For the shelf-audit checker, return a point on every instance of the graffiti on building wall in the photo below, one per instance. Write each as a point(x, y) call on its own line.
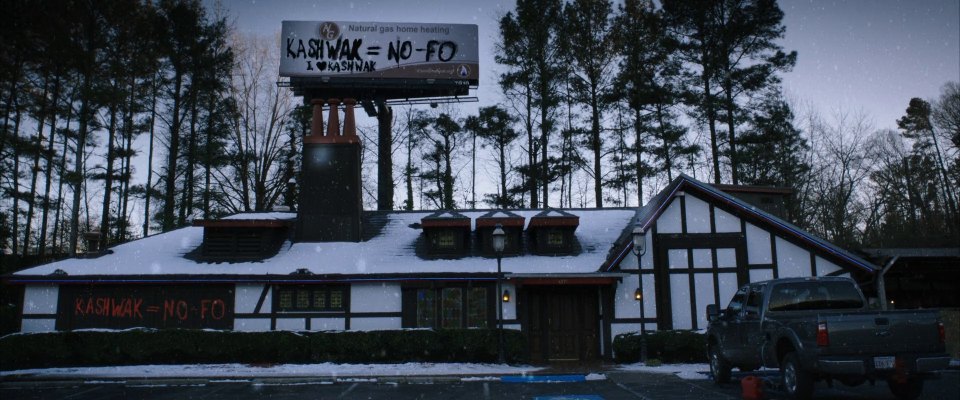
point(115, 306)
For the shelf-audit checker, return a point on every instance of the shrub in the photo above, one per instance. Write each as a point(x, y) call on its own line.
point(667, 346)
point(180, 346)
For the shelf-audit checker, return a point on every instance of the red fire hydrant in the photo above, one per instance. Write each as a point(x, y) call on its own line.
point(752, 388)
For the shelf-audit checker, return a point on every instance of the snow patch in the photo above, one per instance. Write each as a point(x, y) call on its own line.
point(684, 371)
point(595, 377)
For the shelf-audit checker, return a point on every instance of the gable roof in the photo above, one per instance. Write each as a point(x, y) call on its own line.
point(391, 251)
point(650, 212)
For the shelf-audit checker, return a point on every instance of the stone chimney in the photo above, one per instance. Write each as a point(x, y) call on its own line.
point(330, 187)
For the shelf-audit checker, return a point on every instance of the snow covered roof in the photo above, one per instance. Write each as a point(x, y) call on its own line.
point(392, 251)
point(651, 211)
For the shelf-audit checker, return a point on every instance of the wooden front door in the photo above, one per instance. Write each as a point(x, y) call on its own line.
point(562, 323)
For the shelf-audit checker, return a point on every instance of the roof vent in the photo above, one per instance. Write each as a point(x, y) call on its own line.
point(58, 272)
point(302, 271)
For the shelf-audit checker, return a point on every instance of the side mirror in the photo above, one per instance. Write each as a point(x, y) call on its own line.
point(713, 312)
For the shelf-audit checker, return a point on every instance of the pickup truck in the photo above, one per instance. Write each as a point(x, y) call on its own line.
point(822, 329)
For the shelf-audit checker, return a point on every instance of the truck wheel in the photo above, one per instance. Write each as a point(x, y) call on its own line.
point(909, 389)
point(797, 382)
point(719, 368)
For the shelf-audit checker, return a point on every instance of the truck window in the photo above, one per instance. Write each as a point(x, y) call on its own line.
point(815, 295)
point(736, 304)
point(754, 301)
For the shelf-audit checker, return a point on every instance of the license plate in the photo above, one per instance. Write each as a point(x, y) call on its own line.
point(883, 362)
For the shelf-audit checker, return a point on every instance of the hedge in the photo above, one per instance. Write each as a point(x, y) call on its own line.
point(177, 346)
point(667, 346)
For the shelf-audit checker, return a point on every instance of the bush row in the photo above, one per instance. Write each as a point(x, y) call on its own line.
point(667, 346)
point(175, 346)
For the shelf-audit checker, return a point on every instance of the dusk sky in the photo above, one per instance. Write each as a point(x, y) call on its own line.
point(869, 56)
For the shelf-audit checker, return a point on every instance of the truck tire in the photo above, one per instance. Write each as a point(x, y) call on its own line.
point(909, 389)
point(796, 382)
point(719, 367)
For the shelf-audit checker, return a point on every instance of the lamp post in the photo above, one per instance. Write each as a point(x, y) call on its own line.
point(499, 241)
point(639, 249)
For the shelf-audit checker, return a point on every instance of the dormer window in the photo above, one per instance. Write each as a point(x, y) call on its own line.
point(236, 239)
point(555, 238)
point(447, 234)
point(551, 232)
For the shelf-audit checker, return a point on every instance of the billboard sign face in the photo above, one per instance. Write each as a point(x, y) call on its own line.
point(334, 50)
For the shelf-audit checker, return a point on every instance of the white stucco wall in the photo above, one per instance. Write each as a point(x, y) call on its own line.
point(40, 299)
point(327, 324)
point(825, 267)
point(247, 297)
point(375, 297)
point(725, 222)
point(291, 324)
point(375, 324)
point(38, 325)
point(251, 324)
point(698, 215)
point(758, 245)
point(792, 261)
point(669, 221)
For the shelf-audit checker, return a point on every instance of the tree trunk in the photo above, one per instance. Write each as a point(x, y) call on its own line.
point(16, 176)
point(734, 165)
point(48, 173)
point(531, 152)
point(171, 179)
point(41, 117)
point(186, 202)
point(408, 171)
point(78, 168)
point(708, 104)
point(61, 171)
point(638, 129)
point(595, 146)
point(148, 188)
point(108, 177)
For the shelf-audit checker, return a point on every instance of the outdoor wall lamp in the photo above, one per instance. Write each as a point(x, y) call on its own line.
point(506, 296)
point(638, 294)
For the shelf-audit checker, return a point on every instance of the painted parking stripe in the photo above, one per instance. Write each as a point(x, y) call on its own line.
point(570, 397)
point(542, 378)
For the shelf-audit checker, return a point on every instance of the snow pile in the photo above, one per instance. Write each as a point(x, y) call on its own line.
point(684, 371)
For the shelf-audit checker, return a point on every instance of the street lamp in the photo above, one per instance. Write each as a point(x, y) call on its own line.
point(499, 242)
point(639, 249)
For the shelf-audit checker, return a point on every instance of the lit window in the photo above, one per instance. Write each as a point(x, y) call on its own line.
point(306, 298)
point(426, 308)
point(446, 240)
point(555, 238)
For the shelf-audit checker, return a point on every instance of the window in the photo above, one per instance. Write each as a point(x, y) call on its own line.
point(452, 307)
point(554, 238)
point(446, 240)
point(752, 308)
point(736, 304)
point(309, 298)
point(815, 295)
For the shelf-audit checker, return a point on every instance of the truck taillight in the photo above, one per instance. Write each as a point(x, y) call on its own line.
point(942, 332)
point(823, 336)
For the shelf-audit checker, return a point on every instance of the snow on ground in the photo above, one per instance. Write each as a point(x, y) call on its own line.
point(389, 252)
point(325, 370)
point(684, 371)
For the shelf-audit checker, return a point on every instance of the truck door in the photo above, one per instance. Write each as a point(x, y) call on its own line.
point(730, 325)
point(751, 332)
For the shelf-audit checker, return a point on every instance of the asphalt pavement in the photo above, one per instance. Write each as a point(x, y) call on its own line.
point(617, 385)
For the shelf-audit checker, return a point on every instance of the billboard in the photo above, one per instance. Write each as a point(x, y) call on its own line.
point(378, 51)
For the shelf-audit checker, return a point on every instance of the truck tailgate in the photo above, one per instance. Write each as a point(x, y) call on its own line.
point(882, 332)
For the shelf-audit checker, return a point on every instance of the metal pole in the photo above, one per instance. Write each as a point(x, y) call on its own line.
point(643, 324)
point(499, 313)
point(882, 284)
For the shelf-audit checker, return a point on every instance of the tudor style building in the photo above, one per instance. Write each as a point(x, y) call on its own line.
point(570, 274)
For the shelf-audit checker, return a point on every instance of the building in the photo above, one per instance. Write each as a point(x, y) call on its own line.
point(570, 278)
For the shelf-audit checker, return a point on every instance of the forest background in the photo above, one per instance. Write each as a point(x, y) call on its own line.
point(131, 118)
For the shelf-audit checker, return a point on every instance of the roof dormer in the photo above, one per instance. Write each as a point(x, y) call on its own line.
point(244, 237)
point(447, 234)
point(512, 224)
point(551, 232)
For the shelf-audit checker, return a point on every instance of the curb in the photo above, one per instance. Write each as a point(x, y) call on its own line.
point(26, 380)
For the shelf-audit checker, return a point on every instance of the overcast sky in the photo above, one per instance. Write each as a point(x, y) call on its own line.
point(859, 55)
